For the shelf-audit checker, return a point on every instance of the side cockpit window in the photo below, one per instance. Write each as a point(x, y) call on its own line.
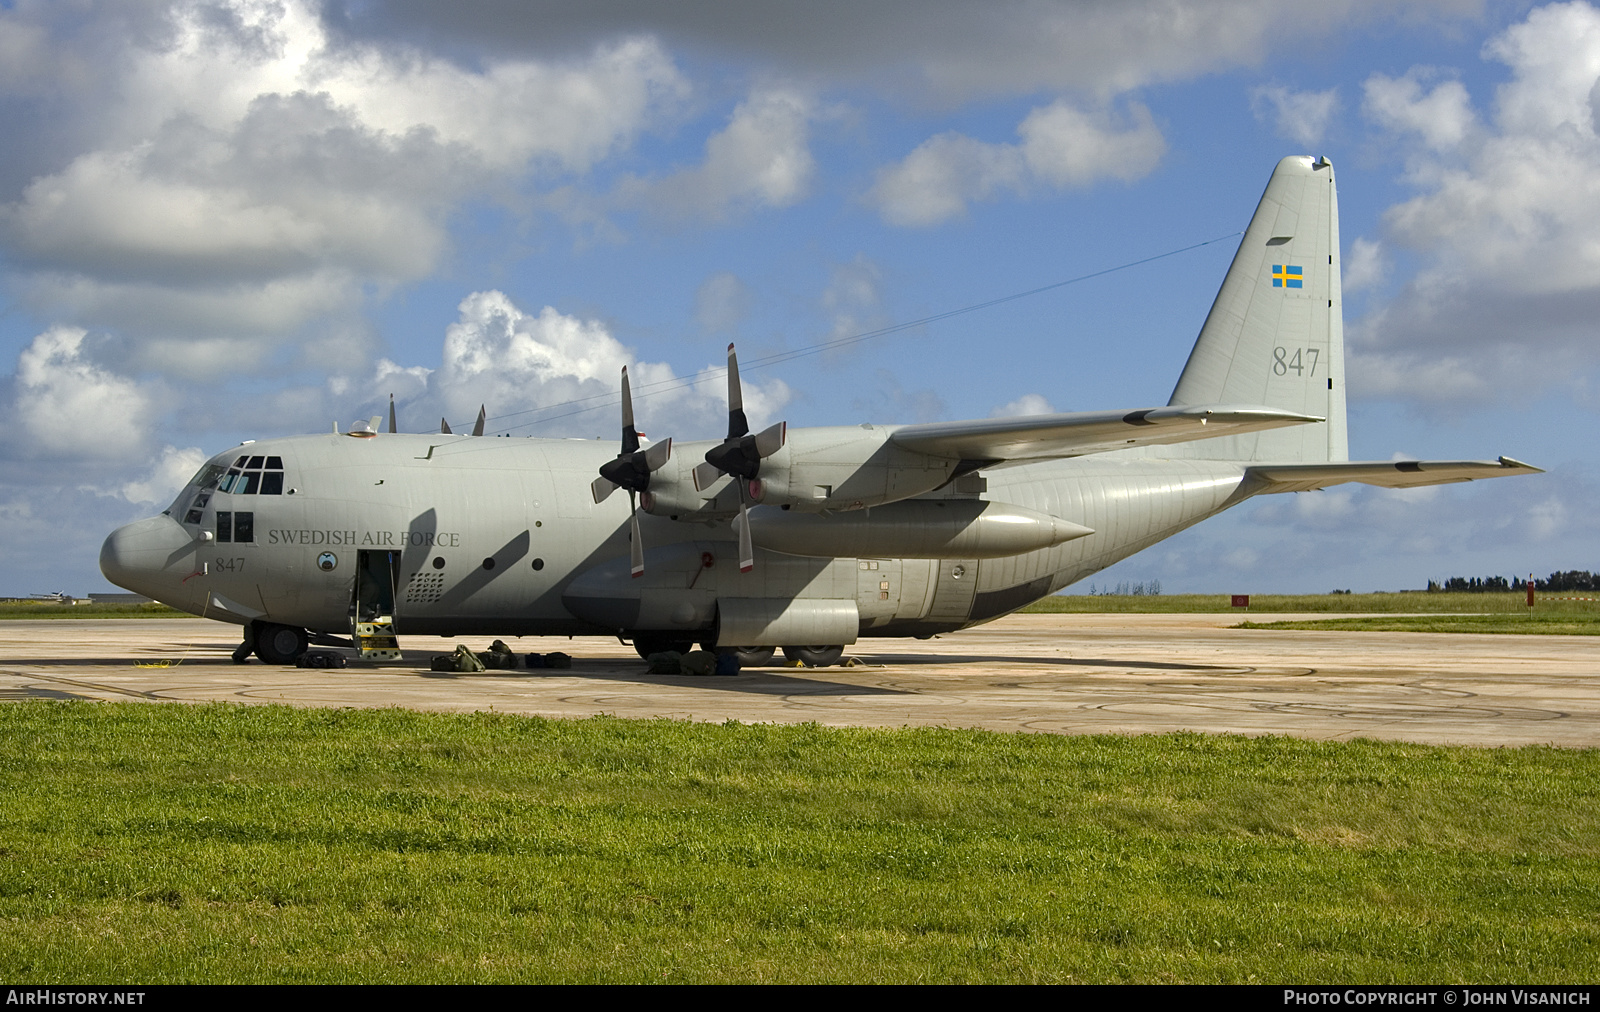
point(236, 527)
point(192, 504)
point(258, 475)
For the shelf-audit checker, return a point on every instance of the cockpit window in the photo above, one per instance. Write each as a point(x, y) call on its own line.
point(207, 476)
point(259, 475)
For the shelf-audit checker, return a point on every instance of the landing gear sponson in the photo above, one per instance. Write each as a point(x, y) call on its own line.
point(646, 644)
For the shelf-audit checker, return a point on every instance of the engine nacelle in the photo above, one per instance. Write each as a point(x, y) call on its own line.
point(837, 468)
point(913, 529)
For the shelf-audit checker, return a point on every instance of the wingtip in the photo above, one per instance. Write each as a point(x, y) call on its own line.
point(1513, 462)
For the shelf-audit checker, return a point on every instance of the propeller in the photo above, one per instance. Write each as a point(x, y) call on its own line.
point(740, 456)
point(477, 428)
point(392, 428)
point(631, 470)
point(444, 428)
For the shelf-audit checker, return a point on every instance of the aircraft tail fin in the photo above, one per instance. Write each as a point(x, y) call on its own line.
point(1275, 335)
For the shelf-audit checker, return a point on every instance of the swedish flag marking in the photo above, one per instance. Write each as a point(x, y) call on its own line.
point(1285, 276)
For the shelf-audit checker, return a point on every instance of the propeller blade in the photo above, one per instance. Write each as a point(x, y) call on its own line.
point(705, 475)
point(737, 424)
point(602, 489)
point(444, 428)
point(747, 551)
point(477, 429)
point(740, 453)
point(636, 545)
point(391, 414)
point(374, 422)
point(630, 434)
point(656, 455)
point(770, 440)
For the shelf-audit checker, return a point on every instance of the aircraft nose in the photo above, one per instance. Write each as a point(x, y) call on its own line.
point(139, 555)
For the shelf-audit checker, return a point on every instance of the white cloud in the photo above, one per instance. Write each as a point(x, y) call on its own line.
point(935, 182)
point(1027, 404)
point(168, 473)
point(69, 407)
point(1365, 265)
point(1505, 301)
point(243, 175)
point(514, 361)
point(1442, 117)
point(1301, 116)
point(929, 51)
point(1061, 146)
point(761, 158)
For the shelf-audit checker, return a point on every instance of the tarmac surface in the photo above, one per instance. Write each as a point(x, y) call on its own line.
point(1060, 674)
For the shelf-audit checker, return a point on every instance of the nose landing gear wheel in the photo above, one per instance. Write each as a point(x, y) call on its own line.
point(280, 644)
point(814, 657)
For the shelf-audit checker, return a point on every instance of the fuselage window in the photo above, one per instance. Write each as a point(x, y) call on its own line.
point(224, 526)
point(244, 527)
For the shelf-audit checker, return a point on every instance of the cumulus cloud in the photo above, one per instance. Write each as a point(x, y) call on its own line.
point(519, 362)
point(244, 176)
point(1061, 146)
point(1442, 117)
point(1027, 404)
point(760, 159)
point(1366, 264)
point(1505, 301)
point(946, 51)
point(1301, 116)
point(67, 406)
point(168, 473)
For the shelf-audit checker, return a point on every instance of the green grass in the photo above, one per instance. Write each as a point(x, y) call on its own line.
point(52, 609)
point(220, 843)
point(1400, 601)
point(1534, 622)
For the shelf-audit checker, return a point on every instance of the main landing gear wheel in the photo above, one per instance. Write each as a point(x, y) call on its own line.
point(751, 657)
point(280, 644)
point(659, 643)
point(814, 657)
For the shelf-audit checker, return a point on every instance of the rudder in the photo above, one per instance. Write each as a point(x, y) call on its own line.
point(1275, 334)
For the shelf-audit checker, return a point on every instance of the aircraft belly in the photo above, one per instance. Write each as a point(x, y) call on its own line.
point(1129, 504)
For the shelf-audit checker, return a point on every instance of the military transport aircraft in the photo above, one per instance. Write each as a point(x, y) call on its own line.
point(804, 539)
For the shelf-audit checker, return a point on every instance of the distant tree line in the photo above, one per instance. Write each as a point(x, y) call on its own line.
point(1151, 589)
point(1576, 579)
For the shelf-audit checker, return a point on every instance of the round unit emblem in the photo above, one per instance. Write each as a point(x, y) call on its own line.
point(327, 561)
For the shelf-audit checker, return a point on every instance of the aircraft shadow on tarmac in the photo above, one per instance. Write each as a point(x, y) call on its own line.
point(756, 680)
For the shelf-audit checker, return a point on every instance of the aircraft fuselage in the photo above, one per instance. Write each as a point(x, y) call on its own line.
point(501, 536)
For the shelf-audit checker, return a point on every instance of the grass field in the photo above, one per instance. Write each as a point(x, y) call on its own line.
point(220, 843)
point(1400, 601)
point(1532, 622)
point(51, 609)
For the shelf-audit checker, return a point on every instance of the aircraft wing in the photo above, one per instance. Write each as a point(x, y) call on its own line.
point(1042, 437)
point(1385, 473)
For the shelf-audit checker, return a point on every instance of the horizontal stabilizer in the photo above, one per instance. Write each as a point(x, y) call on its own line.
point(1044, 437)
point(1384, 473)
